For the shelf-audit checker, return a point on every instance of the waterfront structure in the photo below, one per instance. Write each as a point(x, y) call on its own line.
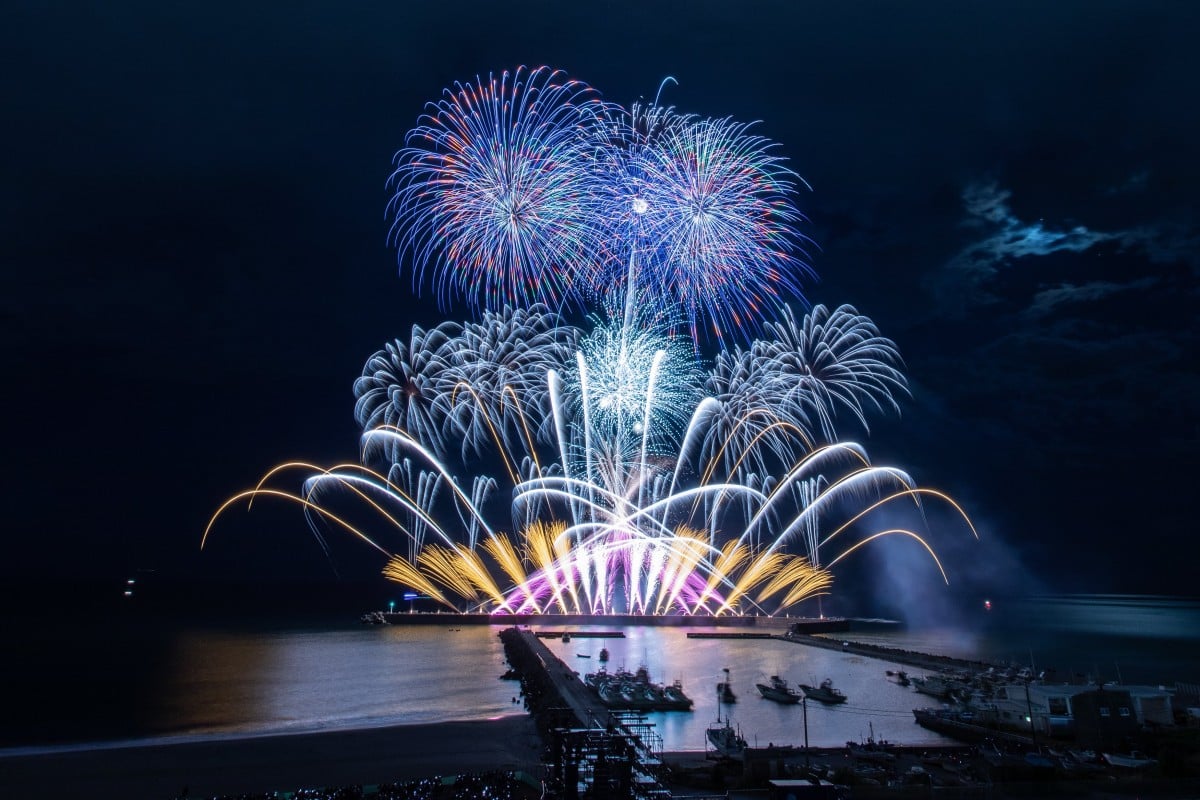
point(1078, 710)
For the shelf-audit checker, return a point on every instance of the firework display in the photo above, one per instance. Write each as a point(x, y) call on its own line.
point(523, 463)
point(491, 190)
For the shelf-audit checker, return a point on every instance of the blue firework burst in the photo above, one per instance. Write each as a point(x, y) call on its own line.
point(721, 224)
point(490, 191)
point(701, 212)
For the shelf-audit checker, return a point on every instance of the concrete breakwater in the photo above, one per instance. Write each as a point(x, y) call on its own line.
point(896, 655)
point(612, 620)
point(728, 635)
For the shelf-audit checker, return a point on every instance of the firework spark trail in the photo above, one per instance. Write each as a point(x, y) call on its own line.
point(622, 551)
point(497, 361)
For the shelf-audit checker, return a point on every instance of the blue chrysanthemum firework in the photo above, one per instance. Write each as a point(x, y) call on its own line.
point(490, 190)
point(720, 224)
point(698, 217)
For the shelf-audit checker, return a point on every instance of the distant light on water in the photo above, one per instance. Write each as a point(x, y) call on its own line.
point(1142, 616)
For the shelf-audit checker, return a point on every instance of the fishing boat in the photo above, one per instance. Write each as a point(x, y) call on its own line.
point(825, 693)
point(878, 750)
point(1134, 760)
point(728, 742)
point(725, 693)
point(604, 654)
point(932, 685)
point(779, 691)
point(725, 740)
point(635, 690)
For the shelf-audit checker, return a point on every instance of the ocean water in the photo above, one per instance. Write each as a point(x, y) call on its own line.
point(138, 682)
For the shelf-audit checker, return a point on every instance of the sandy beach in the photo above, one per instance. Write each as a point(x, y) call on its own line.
point(264, 763)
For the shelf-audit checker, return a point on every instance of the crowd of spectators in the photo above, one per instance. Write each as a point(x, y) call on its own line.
point(495, 785)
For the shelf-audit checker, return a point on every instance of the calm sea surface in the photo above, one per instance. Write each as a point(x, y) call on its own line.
point(140, 683)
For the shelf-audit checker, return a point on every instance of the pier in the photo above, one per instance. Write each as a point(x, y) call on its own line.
point(581, 634)
point(591, 745)
point(545, 674)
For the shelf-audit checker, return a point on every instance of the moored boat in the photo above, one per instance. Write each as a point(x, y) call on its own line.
point(604, 654)
point(825, 693)
point(634, 690)
point(725, 740)
point(777, 689)
point(932, 685)
point(879, 750)
point(725, 693)
point(1134, 760)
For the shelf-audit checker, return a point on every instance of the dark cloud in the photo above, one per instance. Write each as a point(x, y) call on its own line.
point(967, 280)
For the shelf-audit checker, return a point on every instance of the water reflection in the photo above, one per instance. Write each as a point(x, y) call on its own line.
point(310, 680)
point(698, 663)
point(161, 682)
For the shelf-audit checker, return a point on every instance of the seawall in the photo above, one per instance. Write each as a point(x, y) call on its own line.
point(612, 620)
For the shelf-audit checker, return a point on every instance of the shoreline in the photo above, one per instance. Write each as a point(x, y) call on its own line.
point(276, 761)
point(228, 736)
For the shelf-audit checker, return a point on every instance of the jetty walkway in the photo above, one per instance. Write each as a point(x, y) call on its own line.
point(593, 748)
point(547, 674)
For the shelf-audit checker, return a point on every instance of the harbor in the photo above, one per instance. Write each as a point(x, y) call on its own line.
point(869, 746)
point(976, 756)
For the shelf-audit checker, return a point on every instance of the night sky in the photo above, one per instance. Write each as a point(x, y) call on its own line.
point(196, 261)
